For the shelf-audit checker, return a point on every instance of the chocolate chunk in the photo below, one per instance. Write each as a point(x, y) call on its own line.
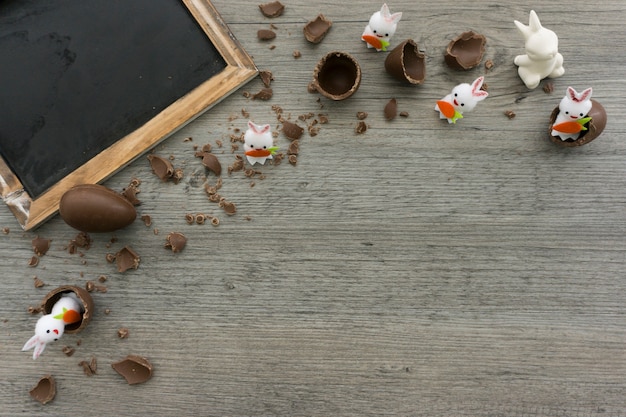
point(265, 94)
point(391, 109)
point(509, 113)
point(272, 9)
point(316, 29)
point(175, 241)
point(292, 130)
point(162, 167)
point(294, 148)
point(38, 282)
point(45, 390)
point(40, 245)
point(465, 51)
point(126, 259)
point(361, 128)
point(135, 369)
point(267, 77)
point(94, 208)
point(130, 193)
point(361, 115)
point(265, 34)
point(147, 220)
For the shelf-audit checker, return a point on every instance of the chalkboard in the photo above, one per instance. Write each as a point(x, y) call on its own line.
point(86, 86)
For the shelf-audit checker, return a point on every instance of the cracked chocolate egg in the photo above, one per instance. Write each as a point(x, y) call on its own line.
point(337, 75)
point(94, 208)
point(594, 127)
point(134, 368)
point(406, 63)
point(45, 390)
point(465, 51)
point(84, 298)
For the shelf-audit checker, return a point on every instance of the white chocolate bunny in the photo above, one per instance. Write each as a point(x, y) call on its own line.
point(258, 143)
point(50, 327)
point(382, 26)
point(572, 111)
point(463, 98)
point(542, 58)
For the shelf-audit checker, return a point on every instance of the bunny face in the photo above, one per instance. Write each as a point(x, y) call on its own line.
point(575, 105)
point(258, 143)
point(383, 24)
point(465, 96)
point(542, 47)
point(49, 329)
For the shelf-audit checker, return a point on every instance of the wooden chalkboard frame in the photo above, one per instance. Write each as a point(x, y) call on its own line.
point(32, 212)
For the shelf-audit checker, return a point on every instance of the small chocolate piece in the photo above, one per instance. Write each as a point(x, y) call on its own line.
point(94, 208)
point(465, 51)
point(391, 109)
point(361, 128)
point(297, 54)
point(40, 245)
point(228, 207)
point(293, 159)
point(548, 87)
point(134, 368)
point(38, 282)
point(130, 193)
point(509, 113)
point(175, 241)
point(266, 77)
point(265, 94)
point(489, 64)
point(34, 261)
point(147, 219)
point(272, 9)
point(210, 161)
point(406, 63)
point(122, 332)
point(162, 167)
point(594, 128)
point(361, 115)
point(294, 148)
point(82, 240)
point(45, 390)
point(126, 259)
point(337, 75)
point(265, 34)
point(84, 298)
point(404, 114)
point(68, 350)
point(316, 29)
point(292, 130)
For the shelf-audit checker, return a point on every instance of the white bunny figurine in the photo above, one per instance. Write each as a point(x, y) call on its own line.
point(50, 327)
point(258, 143)
point(463, 98)
point(381, 28)
point(542, 58)
point(572, 111)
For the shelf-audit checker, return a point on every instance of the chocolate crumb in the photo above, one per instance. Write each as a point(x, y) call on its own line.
point(79, 342)
point(38, 282)
point(6, 230)
point(102, 278)
point(34, 261)
point(246, 94)
point(107, 311)
point(361, 115)
point(264, 94)
point(93, 365)
point(40, 245)
point(311, 88)
point(266, 77)
point(297, 54)
point(122, 332)
point(101, 288)
point(175, 241)
point(35, 310)
point(126, 259)
point(510, 114)
point(130, 194)
point(484, 87)
point(90, 286)
point(548, 87)
point(45, 390)
point(86, 368)
point(265, 34)
point(272, 9)
point(292, 130)
point(293, 159)
point(178, 175)
point(272, 47)
point(189, 218)
point(489, 64)
point(294, 148)
point(188, 139)
point(229, 207)
point(68, 350)
point(82, 240)
point(391, 109)
point(361, 128)
point(215, 221)
point(200, 218)
point(147, 220)
point(404, 114)
point(110, 258)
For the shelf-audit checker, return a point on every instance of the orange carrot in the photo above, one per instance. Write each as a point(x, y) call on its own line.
point(379, 44)
point(446, 109)
point(571, 126)
point(71, 316)
point(258, 153)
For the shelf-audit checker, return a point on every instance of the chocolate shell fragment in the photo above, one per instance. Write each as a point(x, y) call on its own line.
point(465, 51)
point(272, 9)
point(316, 29)
point(40, 245)
point(161, 167)
point(175, 241)
point(134, 368)
point(292, 130)
point(126, 259)
point(406, 63)
point(391, 109)
point(45, 390)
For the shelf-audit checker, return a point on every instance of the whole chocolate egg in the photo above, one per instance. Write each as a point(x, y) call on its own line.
point(94, 208)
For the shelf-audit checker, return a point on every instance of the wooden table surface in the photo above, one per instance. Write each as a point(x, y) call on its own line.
point(417, 269)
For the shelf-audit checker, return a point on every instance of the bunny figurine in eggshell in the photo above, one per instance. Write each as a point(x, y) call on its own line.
point(571, 120)
point(50, 327)
point(542, 58)
point(258, 143)
point(382, 26)
point(463, 98)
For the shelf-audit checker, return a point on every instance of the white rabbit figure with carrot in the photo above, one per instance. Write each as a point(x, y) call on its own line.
point(542, 58)
point(381, 27)
point(50, 327)
point(573, 108)
point(258, 143)
point(463, 98)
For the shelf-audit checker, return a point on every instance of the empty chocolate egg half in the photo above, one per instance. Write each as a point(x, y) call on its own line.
point(465, 51)
point(594, 128)
point(337, 75)
point(406, 63)
point(45, 390)
point(84, 298)
point(94, 208)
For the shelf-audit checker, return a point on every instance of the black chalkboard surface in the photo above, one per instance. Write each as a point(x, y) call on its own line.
point(88, 85)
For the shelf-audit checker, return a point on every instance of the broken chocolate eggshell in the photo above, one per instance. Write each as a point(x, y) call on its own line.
point(316, 29)
point(134, 368)
point(337, 75)
point(594, 128)
point(85, 301)
point(93, 208)
point(45, 390)
point(406, 63)
point(465, 51)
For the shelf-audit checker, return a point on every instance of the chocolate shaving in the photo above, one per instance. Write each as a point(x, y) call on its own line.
point(68, 350)
point(38, 282)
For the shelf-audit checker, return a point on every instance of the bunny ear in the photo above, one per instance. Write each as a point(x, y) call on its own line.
point(32, 342)
point(257, 128)
point(39, 350)
point(533, 22)
point(572, 94)
point(476, 91)
point(586, 95)
point(384, 11)
point(395, 18)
